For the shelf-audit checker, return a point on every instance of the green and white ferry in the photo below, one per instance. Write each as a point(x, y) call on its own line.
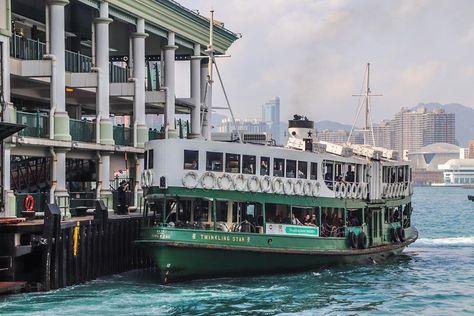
point(233, 209)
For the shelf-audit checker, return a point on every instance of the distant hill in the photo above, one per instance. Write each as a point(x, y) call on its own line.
point(464, 119)
point(322, 125)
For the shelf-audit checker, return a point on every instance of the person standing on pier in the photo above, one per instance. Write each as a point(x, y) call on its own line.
point(122, 197)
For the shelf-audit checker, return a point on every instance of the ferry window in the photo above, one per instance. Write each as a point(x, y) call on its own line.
point(232, 163)
point(328, 170)
point(392, 175)
point(291, 168)
point(357, 173)
point(191, 159)
point(385, 175)
point(400, 174)
point(278, 167)
point(338, 171)
point(302, 169)
point(150, 159)
point(350, 174)
point(248, 164)
point(213, 161)
point(264, 166)
point(314, 171)
point(145, 160)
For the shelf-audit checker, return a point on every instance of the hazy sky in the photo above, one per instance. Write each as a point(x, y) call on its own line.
point(313, 54)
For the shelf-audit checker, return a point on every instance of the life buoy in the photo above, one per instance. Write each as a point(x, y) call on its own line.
point(363, 241)
point(149, 177)
point(288, 187)
point(224, 182)
point(143, 179)
point(265, 183)
point(277, 185)
point(353, 240)
point(190, 180)
point(239, 182)
point(208, 180)
point(401, 234)
point(252, 184)
point(307, 189)
point(298, 187)
point(337, 189)
point(385, 190)
point(29, 203)
point(316, 189)
point(364, 191)
point(343, 190)
point(395, 237)
point(354, 190)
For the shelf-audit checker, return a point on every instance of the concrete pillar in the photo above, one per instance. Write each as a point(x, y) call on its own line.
point(8, 195)
point(170, 108)
point(57, 49)
point(105, 130)
point(137, 186)
point(139, 127)
point(103, 180)
point(59, 193)
point(5, 40)
point(196, 92)
point(206, 97)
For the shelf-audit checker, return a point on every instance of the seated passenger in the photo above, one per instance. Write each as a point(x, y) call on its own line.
point(349, 175)
point(313, 221)
point(295, 220)
point(307, 219)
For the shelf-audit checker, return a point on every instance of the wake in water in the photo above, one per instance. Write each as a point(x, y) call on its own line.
point(448, 241)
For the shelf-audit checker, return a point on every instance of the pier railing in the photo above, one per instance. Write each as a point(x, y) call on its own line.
point(82, 130)
point(37, 124)
point(123, 136)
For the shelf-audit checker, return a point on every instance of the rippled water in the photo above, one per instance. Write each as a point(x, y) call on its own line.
point(435, 276)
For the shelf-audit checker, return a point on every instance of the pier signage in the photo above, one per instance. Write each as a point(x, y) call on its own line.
point(284, 229)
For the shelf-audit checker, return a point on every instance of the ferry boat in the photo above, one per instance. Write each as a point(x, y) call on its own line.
point(226, 209)
point(233, 208)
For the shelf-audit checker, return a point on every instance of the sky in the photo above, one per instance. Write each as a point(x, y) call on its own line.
point(313, 54)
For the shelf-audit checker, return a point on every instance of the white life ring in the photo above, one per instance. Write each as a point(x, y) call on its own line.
point(307, 188)
point(277, 185)
point(252, 183)
point(148, 178)
point(337, 189)
point(350, 190)
point(265, 183)
point(364, 190)
point(391, 192)
point(208, 180)
point(298, 187)
point(143, 179)
point(384, 190)
point(343, 190)
point(239, 182)
point(316, 188)
point(224, 182)
point(288, 187)
point(190, 180)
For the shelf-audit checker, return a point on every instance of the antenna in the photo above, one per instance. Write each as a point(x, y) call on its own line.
point(211, 63)
point(369, 127)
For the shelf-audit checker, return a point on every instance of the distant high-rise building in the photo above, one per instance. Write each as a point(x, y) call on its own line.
point(383, 135)
point(340, 136)
point(271, 116)
point(471, 149)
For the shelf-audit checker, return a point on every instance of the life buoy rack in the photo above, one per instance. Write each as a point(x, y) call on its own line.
point(190, 180)
point(224, 182)
point(29, 203)
point(277, 185)
point(307, 188)
point(252, 184)
point(363, 241)
point(208, 180)
point(239, 182)
point(316, 189)
point(288, 187)
point(265, 183)
point(298, 187)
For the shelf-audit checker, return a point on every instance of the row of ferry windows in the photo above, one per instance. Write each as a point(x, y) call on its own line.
point(236, 163)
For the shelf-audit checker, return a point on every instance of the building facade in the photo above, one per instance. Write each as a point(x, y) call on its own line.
point(458, 172)
point(82, 76)
point(271, 116)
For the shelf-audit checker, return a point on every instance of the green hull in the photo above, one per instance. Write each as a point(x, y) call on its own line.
point(179, 259)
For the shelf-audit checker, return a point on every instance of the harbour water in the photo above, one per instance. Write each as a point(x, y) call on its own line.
point(435, 276)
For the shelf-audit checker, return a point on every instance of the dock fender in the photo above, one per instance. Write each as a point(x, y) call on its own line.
point(208, 180)
point(395, 237)
point(252, 183)
point(288, 187)
point(353, 240)
point(190, 179)
point(316, 189)
point(224, 182)
point(307, 189)
point(363, 241)
point(265, 183)
point(239, 182)
point(401, 234)
point(298, 187)
point(277, 185)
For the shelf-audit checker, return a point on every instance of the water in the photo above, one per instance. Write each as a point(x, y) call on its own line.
point(435, 276)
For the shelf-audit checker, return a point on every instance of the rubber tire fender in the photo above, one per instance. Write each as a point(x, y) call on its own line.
point(353, 240)
point(363, 241)
point(401, 234)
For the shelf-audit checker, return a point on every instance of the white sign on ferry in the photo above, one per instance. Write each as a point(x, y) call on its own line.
point(284, 229)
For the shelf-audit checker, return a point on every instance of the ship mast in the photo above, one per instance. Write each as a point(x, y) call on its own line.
point(368, 129)
point(211, 64)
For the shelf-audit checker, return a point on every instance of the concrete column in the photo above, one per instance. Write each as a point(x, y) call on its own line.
point(6, 66)
point(206, 97)
point(196, 92)
point(139, 126)
point(8, 195)
point(105, 130)
point(137, 186)
point(57, 49)
point(103, 180)
point(59, 193)
point(170, 108)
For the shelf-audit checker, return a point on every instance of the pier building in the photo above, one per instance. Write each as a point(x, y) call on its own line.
point(82, 75)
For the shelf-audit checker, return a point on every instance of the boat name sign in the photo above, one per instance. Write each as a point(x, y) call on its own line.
point(282, 229)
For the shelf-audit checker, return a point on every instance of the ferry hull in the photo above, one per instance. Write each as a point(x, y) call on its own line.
point(178, 261)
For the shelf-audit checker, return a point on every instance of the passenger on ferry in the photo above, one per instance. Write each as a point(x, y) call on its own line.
point(295, 220)
point(350, 175)
point(307, 219)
